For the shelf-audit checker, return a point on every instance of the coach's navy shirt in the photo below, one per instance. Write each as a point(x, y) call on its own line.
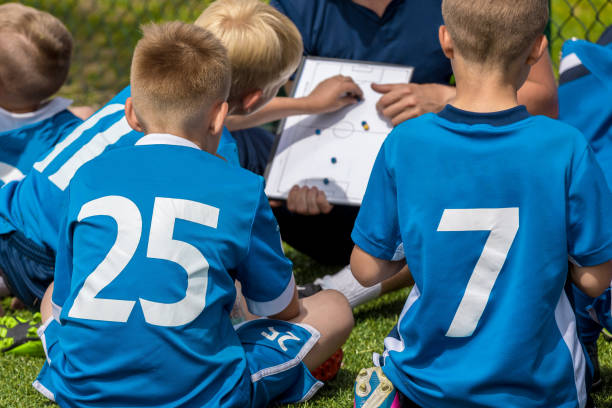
point(406, 34)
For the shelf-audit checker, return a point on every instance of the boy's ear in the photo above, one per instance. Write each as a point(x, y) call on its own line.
point(446, 42)
point(218, 114)
point(131, 117)
point(251, 100)
point(540, 46)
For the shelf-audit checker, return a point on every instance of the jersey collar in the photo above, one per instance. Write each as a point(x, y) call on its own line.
point(165, 138)
point(500, 118)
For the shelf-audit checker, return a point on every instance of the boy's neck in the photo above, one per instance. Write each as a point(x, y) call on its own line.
point(20, 109)
point(489, 91)
point(203, 141)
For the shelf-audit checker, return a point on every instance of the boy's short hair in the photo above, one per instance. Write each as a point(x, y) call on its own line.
point(35, 53)
point(263, 45)
point(494, 31)
point(178, 71)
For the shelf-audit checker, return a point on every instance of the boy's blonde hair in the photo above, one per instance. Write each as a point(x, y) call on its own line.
point(494, 31)
point(35, 53)
point(178, 72)
point(263, 45)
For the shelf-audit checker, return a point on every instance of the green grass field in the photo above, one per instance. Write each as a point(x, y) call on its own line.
point(105, 32)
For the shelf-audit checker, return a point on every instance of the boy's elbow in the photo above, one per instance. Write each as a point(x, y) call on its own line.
point(593, 280)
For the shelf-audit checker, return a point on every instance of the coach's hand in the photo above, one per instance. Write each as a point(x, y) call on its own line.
point(401, 102)
point(308, 201)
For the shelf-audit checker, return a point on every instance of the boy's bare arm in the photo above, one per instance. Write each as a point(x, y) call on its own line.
point(592, 280)
point(369, 270)
point(329, 96)
point(539, 92)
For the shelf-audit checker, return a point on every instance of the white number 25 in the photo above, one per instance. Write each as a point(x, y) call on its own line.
point(503, 224)
point(161, 246)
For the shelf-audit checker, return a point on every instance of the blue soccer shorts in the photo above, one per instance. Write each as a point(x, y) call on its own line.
point(274, 351)
point(26, 267)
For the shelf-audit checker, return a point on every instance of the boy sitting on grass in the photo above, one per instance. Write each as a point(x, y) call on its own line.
point(35, 52)
point(139, 311)
point(486, 231)
point(33, 206)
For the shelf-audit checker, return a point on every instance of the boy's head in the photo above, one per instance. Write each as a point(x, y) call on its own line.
point(35, 56)
point(496, 33)
point(264, 48)
point(180, 79)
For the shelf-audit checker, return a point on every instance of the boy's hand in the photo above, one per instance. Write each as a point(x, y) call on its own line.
point(308, 201)
point(332, 94)
point(401, 102)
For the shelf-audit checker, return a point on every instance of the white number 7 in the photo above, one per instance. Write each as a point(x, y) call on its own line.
point(503, 224)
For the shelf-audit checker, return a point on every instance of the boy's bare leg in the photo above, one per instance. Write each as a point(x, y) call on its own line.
point(46, 310)
point(329, 312)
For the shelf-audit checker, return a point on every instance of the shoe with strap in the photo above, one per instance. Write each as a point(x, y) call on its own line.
point(18, 336)
point(374, 390)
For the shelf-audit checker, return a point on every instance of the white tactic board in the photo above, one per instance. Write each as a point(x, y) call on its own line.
point(334, 152)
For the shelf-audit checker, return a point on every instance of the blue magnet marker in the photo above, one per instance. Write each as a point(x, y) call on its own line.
point(334, 160)
point(318, 131)
point(325, 181)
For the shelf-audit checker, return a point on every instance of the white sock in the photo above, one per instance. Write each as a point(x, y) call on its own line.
point(4, 291)
point(344, 282)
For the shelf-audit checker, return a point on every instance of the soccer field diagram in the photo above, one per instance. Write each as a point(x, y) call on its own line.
point(334, 152)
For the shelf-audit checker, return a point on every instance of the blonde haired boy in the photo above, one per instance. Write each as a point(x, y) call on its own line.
point(487, 231)
point(265, 48)
point(150, 325)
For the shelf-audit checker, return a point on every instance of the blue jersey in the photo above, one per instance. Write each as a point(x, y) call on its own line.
point(35, 204)
point(488, 208)
point(406, 34)
point(20, 148)
point(143, 288)
point(584, 92)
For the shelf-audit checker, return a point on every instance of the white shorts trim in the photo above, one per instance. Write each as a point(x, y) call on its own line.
point(311, 392)
point(43, 390)
point(287, 365)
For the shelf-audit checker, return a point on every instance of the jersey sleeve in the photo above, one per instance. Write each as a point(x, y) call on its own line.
point(589, 213)
point(376, 229)
point(265, 273)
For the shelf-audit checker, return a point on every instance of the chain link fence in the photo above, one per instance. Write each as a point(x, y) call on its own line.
point(583, 19)
point(105, 32)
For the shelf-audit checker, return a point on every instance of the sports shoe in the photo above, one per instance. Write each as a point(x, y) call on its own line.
point(308, 289)
point(18, 336)
point(329, 369)
point(374, 390)
point(593, 353)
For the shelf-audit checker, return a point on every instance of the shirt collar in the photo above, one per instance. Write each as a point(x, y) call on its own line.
point(500, 118)
point(165, 138)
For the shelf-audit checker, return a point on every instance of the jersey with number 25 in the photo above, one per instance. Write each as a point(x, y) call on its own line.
point(35, 204)
point(142, 283)
point(488, 207)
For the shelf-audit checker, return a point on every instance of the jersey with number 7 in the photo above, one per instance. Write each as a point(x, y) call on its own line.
point(488, 207)
point(143, 287)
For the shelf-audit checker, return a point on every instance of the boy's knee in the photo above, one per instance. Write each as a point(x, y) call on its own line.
point(342, 311)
